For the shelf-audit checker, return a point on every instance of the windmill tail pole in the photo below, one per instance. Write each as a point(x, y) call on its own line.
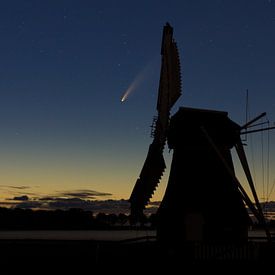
point(257, 212)
point(242, 157)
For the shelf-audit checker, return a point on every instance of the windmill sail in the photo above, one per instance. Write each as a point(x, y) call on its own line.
point(168, 93)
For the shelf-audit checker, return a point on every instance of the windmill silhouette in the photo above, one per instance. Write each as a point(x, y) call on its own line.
point(168, 94)
point(204, 200)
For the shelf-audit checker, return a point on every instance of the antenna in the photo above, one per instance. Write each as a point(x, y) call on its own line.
point(250, 123)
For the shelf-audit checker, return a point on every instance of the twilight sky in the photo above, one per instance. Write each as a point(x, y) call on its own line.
point(65, 65)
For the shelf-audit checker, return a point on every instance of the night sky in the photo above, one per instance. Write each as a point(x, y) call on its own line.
point(64, 66)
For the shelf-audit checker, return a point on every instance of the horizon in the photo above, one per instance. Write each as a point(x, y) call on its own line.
point(106, 206)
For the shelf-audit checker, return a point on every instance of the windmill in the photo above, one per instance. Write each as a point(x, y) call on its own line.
point(204, 200)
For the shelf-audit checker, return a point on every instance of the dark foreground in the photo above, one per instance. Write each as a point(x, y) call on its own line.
point(89, 257)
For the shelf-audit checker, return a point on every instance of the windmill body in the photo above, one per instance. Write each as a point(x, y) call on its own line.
point(202, 202)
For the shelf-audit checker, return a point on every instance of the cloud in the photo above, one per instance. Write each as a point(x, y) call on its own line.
point(83, 198)
point(22, 187)
point(96, 206)
point(67, 203)
point(21, 198)
point(84, 194)
point(88, 200)
point(17, 190)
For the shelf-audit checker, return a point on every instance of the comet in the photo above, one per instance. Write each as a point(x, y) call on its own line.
point(130, 89)
point(135, 83)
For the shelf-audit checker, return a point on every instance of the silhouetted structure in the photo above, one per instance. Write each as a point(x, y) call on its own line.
point(169, 92)
point(202, 189)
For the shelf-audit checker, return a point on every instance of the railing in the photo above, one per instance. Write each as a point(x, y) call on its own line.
point(218, 252)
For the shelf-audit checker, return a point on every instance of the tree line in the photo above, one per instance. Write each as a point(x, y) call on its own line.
point(72, 219)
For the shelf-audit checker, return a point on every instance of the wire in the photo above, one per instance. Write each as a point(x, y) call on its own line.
point(268, 164)
point(263, 166)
